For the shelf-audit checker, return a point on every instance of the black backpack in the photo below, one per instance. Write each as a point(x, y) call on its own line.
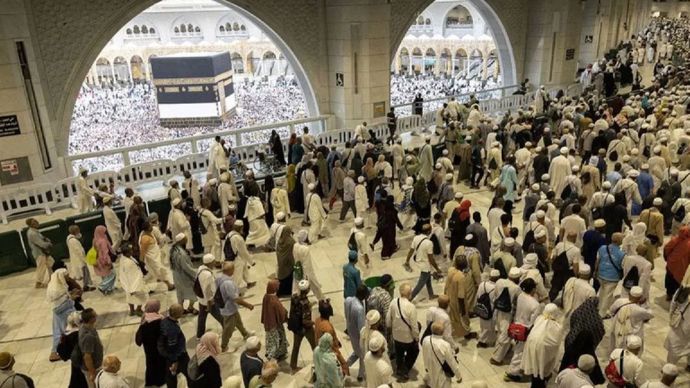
point(483, 307)
point(503, 302)
point(613, 156)
point(567, 192)
point(228, 252)
point(437, 244)
point(498, 264)
point(632, 278)
point(492, 164)
point(352, 242)
point(560, 263)
point(529, 240)
point(197, 285)
point(679, 215)
point(202, 227)
point(453, 220)
point(294, 322)
point(218, 296)
point(645, 151)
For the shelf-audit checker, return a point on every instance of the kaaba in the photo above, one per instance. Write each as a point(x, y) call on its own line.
point(194, 89)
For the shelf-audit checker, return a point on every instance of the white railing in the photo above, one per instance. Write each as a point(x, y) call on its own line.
point(66, 189)
point(435, 103)
point(34, 197)
point(122, 157)
point(50, 196)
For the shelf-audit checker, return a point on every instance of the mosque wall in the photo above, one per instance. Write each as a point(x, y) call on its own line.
point(64, 38)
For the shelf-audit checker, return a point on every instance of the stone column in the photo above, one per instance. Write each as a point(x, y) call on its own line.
point(358, 41)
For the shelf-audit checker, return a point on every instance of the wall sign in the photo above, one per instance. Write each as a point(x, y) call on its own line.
point(15, 170)
point(9, 125)
point(379, 109)
point(569, 54)
point(339, 80)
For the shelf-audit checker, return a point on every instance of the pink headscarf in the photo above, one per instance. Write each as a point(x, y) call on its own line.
point(208, 347)
point(102, 244)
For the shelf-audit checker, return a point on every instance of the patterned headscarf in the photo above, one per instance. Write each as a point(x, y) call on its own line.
point(586, 319)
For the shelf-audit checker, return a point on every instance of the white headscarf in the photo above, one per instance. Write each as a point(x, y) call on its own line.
point(635, 238)
point(57, 287)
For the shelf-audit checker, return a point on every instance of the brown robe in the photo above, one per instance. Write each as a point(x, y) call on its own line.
point(456, 289)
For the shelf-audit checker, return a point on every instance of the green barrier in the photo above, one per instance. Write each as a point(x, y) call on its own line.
point(12, 255)
point(162, 208)
point(56, 231)
point(87, 225)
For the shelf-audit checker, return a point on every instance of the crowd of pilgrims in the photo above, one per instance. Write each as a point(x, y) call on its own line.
point(116, 116)
point(605, 199)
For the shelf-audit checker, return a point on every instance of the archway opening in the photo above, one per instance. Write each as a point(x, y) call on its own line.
point(118, 104)
point(463, 49)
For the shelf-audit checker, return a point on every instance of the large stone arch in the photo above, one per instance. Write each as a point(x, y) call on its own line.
point(496, 15)
point(81, 49)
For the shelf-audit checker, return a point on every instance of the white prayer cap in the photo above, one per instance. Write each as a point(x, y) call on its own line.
point(449, 177)
point(576, 168)
point(373, 317)
point(176, 201)
point(479, 384)
point(302, 236)
point(408, 158)
point(376, 343)
point(360, 179)
point(664, 139)
point(586, 362)
point(508, 242)
point(674, 171)
point(213, 181)
point(495, 273)
point(311, 186)
point(107, 199)
point(540, 214)
point(606, 185)
point(636, 292)
point(547, 130)
point(540, 233)
point(645, 166)
point(551, 309)
point(459, 195)
point(564, 150)
point(359, 221)
point(626, 158)
point(208, 258)
point(531, 259)
point(599, 223)
point(536, 187)
point(179, 237)
point(609, 200)
point(468, 137)
point(657, 149)
point(232, 207)
point(670, 370)
point(514, 273)
point(438, 166)
point(528, 144)
point(633, 173)
point(408, 181)
point(538, 149)
point(280, 216)
point(303, 285)
point(238, 223)
point(584, 269)
point(657, 201)
point(633, 342)
point(495, 144)
point(252, 342)
point(172, 182)
point(545, 177)
point(469, 237)
point(445, 152)
point(224, 177)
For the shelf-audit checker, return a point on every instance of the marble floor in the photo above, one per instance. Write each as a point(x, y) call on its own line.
point(25, 316)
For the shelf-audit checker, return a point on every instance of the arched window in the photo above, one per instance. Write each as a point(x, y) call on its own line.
point(152, 30)
point(235, 26)
point(136, 29)
point(197, 29)
point(428, 21)
point(228, 26)
point(221, 28)
point(183, 28)
point(420, 20)
point(243, 28)
point(144, 29)
point(190, 27)
point(129, 31)
point(176, 30)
